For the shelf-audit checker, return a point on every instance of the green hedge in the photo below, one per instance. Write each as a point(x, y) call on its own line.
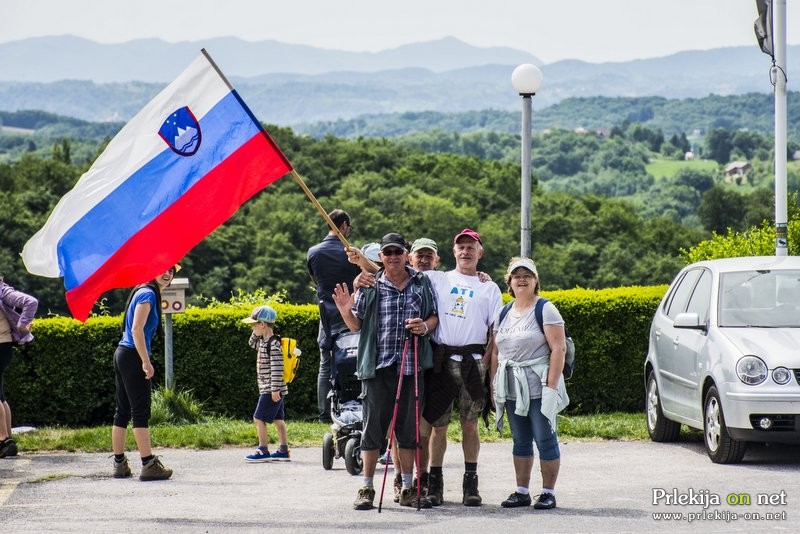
point(66, 376)
point(610, 328)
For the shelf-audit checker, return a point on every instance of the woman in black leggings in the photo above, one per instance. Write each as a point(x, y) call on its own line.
point(133, 371)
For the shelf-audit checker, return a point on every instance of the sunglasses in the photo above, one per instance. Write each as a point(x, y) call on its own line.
point(393, 251)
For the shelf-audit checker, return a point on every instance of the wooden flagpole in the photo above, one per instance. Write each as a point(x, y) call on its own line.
point(324, 214)
point(319, 207)
point(296, 176)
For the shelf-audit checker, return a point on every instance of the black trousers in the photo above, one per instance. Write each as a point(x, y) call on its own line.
point(133, 389)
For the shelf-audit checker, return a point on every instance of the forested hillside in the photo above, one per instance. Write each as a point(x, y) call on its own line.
point(752, 112)
point(608, 210)
point(588, 241)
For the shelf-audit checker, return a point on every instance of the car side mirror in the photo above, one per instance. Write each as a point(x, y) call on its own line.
point(689, 320)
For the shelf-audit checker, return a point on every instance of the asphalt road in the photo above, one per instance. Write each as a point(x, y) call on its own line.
point(603, 487)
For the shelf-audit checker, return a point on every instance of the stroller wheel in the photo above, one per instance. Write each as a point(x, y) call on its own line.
point(352, 457)
point(327, 451)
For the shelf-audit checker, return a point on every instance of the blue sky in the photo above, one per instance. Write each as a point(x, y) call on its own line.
point(591, 30)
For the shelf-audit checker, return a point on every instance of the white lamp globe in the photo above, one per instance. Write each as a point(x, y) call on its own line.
point(526, 79)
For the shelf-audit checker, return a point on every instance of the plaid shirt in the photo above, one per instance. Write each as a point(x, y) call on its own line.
point(395, 307)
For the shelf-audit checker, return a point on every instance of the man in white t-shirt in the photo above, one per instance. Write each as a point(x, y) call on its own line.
point(467, 308)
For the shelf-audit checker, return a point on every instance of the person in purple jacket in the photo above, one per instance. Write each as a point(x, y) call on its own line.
point(17, 310)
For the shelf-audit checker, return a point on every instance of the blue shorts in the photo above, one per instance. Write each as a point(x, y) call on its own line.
point(529, 428)
point(268, 410)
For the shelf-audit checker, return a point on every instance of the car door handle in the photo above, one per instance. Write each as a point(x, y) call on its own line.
point(658, 334)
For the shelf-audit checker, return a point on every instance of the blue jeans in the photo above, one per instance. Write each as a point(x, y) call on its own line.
point(529, 428)
point(324, 386)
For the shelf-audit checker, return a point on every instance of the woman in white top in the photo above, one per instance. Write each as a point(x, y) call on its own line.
point(526, 363)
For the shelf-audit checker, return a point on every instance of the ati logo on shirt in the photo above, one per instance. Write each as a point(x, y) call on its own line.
point(458, 307)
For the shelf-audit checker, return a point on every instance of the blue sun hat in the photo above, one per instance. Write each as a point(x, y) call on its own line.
point(262, 314)
point(370, 250)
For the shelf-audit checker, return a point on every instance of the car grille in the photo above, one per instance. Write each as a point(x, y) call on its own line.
point(780, 423)
point(797, 375)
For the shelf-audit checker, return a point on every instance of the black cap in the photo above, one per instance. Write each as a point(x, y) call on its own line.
point(393, 239)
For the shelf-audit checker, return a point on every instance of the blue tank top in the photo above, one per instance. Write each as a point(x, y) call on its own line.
point(143, 295)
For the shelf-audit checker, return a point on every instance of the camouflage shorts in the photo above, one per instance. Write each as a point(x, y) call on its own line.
point(468, 409)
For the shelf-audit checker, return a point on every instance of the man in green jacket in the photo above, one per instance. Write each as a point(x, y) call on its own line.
point(399, 307)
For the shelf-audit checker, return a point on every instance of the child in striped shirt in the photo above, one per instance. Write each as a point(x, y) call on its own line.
point(272, 388)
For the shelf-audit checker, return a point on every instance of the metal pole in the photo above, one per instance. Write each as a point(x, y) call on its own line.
point(169, 378)
point(525, 201)
point(779, 73)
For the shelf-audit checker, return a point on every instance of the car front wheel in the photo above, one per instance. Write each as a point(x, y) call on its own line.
point(659, 427)
point(721, 448)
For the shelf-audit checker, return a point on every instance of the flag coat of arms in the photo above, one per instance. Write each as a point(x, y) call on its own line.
point(181, 167)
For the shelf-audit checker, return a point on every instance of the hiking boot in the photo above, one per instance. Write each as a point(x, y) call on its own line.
point(364, 499)
point(435, 491)
point(470, 488)
point(8, 448)
point(408, 497)
point(155, 470)
point(516, 500)
point(122, 469)
point(424, 479)
point(261, 455)
point(280, 456)
point(546, 501)
point(398, 486)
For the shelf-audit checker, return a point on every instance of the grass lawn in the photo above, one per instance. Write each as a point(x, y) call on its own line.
point(666, 168)
point(215, 432)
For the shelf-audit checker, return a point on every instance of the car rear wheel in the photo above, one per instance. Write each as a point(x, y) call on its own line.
point(659, 427)
point(721, 448)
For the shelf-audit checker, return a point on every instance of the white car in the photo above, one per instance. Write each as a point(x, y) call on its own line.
point(724, 355)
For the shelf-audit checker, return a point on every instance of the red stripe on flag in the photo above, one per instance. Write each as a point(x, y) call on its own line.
point(169, 237)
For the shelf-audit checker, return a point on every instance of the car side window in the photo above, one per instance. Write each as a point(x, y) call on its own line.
point(683, 291)
point(700, 301)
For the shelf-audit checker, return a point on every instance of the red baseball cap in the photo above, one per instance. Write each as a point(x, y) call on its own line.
point(472, 234)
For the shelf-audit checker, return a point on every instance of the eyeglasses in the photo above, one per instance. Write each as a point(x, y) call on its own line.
point(393, 251)
point(522, 277)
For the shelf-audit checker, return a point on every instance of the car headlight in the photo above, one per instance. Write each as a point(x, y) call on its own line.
point(781, 375)
point(751, 370)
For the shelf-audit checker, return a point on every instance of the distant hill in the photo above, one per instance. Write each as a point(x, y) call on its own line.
point(753, 111)
point(292, 84)
point(50, 59)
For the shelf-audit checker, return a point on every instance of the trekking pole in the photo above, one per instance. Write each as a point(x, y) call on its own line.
point(417, 459)
point(394, 418)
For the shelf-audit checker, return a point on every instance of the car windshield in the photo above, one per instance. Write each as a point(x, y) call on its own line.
point(764, 298)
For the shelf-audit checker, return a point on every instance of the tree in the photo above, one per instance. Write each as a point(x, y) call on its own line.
point(61, 151)
point(718, 142)
point(700, 180)
point(722, 209)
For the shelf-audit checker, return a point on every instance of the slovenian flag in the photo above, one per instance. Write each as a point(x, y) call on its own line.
point(180, 168)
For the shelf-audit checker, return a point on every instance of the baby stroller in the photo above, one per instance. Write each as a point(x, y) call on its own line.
point(344, 438)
